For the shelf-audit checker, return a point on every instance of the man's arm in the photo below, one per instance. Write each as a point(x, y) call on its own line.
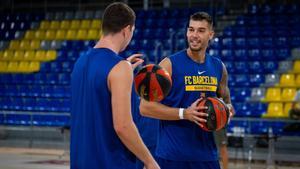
point(120, 83)
point(223, 90)
point(163, 112)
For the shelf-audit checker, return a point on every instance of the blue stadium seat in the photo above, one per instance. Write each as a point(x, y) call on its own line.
point(268, 54)
point(259, 127)
point(256, 80)
point(255, 67)
point(1, 118)
point(240, 55)
point(215, 53)
point(64, 78)
point(282, 53)
point(253, 42)
point(17, 119)
point(241, 67)
point(45, 67)
point(241, 80)
point(227, 55)
point(257, 108)
point(29, 104)
point(267, 42)
point(227, 43)
point(228, 32)
point(270, 66)
point(240, 42)
point(230, 66)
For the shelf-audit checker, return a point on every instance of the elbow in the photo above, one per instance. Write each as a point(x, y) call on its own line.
point(120, 129)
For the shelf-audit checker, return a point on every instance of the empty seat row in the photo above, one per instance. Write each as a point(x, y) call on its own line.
point(286, 94)
point(70, 15)
point(35, 104)
point(81, 34)
point(19, 67)
point(278, 110)
point(27, 55)
point(20, 17)
point(36, 78)
point(14, 26)
point(24, 44)
point(251, 42)
point(249, 109)
point(25, 90)
point(250, 54)
point(49, 120)
point(71, 24)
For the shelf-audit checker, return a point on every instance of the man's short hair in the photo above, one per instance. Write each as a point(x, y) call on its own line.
point(117, 16)
point(200, 16)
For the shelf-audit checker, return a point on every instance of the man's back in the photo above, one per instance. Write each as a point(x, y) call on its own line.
point(94, 143)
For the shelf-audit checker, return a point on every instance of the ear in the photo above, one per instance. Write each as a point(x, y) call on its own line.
point(211, 35)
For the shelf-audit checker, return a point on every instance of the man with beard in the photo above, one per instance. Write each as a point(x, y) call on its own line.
point(182, 144)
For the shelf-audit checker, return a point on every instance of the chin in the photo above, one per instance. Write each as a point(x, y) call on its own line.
point(195, 49)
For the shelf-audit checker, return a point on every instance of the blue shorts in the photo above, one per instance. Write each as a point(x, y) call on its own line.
point(169, 164)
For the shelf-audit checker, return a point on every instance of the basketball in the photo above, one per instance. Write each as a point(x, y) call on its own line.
point(152, 83)
point(218, 113)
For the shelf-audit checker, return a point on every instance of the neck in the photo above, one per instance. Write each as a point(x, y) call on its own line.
point(111, 42)
point(196, 56)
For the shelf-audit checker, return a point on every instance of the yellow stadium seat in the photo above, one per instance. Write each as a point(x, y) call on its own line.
point(287, 80)
point(51, 55)
point(288, 94)
point(35, 44)
point(85, 24)
point(13, 67)
point(54, 25)
point(29, 55)
point(3, 66)
point(25, 44)
point(50, 35)
point(45, 25)
point(296, 68)
point(34, 66)
point(82, 34)
point(275, 110)
point(29, 35)
point(93, 34)
point(40, 55)
point(8, 55)
point(39, 34)
point(65, 24)
point(60, 35)
point(23, 67)
point(14, 44)
point(297, 81)
point(1, 55)
point(19, 55)
point(273, 94)
point(286, 109)
point(71, 34)
point(75, 24)
point(96, 24)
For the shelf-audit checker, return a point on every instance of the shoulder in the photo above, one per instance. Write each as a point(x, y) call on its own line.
point(178, 54)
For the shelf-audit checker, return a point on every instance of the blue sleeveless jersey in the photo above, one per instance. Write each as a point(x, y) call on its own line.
point(184, 140)
point(94, 142)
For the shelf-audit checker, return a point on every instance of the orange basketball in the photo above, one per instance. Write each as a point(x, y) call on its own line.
point(218, 113)
point(152, 83)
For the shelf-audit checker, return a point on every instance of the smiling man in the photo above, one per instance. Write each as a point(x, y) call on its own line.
point(182, 144)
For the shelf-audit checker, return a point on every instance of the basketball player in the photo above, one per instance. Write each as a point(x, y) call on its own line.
point(182, 144)
point(102, 129)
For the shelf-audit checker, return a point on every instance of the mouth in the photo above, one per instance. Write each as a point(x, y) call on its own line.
point(195, 43)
